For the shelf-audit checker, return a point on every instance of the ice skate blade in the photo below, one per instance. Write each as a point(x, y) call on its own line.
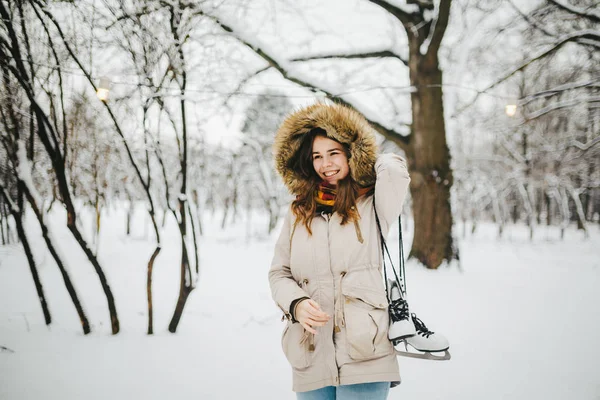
point(426, 355)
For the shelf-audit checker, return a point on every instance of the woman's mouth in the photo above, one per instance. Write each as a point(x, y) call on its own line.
point(329, 174)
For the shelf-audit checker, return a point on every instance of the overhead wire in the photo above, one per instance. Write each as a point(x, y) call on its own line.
point(404, 88)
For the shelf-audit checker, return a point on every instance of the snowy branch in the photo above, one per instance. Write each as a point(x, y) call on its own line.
point(586, 33)
point(439, 29)
point(375, 54)
point(404, 13)
point(531, 21)
point(592, 14)
point(559, 89)
point(387, 133)
point(241, 84)
point(585, 146)
point(560, 105)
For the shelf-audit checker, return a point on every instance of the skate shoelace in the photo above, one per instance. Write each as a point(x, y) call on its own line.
point(420, 327)
point(399, 310)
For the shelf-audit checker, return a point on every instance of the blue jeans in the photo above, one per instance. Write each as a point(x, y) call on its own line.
point(361, 391)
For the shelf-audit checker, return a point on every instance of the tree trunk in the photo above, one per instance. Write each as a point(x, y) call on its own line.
point(33, 268)
point(149, 290)
point(66, 278)
point(431, 176)
point(17, 214)
point(128, 218)
point(549, 209)
point(4, 224)
point(183, 295)
point(186, 280)
point(539, 205)
point(196, 198)
point(185, 284)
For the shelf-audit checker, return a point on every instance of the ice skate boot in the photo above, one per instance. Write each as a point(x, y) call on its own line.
point(401, 326)
point(429, 344)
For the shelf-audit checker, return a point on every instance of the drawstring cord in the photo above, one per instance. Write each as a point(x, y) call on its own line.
point(358, 232)
point(311, 340)
point(339, 320)
point(307, 335)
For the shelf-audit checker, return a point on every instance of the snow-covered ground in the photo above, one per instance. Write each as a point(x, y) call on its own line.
point(523, 319)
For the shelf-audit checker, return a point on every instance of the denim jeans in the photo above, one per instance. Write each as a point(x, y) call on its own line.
point(361, 391)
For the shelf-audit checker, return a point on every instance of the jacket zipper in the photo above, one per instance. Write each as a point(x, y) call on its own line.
point(336, 372)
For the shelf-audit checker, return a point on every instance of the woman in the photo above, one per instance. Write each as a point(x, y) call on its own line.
point(326, 272)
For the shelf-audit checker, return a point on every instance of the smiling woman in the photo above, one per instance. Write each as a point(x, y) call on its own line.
point(326, 271)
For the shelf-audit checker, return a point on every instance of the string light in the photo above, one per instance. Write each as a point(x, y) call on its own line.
point(103, 89)
point(511, 110)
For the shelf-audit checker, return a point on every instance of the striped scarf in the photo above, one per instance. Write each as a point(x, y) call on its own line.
point(326, 193)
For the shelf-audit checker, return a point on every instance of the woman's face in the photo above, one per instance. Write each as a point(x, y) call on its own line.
point(329, 160)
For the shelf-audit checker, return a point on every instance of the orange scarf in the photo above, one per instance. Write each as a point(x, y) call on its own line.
point(326, 193)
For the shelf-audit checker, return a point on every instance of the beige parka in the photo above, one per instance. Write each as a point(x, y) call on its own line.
point(333, 266)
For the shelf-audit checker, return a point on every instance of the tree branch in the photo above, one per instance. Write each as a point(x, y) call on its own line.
point(591, 14)
point(402, 15)
point(558, 106)
point(243, 82)
point(584, 146)
point(560, 42)
point(375, 54)
point(440, 28)
point(556, 90)
point(402, 141)
point(530, 20)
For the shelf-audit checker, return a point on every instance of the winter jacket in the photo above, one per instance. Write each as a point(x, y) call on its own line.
point(333, 266)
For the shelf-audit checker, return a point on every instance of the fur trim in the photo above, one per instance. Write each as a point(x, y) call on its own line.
point(342, 124)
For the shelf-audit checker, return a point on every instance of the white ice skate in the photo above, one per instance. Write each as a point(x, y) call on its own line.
point(429, 344)
point(401, 327)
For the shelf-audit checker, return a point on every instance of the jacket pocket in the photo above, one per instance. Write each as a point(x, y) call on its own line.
point(367, 323)
point(294, 347)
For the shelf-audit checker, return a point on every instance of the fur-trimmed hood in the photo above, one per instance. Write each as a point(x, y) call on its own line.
point(341, 123)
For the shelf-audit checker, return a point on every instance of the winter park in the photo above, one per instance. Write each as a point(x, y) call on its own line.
point(155, 211)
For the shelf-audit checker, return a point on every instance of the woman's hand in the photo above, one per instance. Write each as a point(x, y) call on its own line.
point(308, 314)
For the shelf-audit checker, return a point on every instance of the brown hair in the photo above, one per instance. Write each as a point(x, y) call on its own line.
point(305, 205)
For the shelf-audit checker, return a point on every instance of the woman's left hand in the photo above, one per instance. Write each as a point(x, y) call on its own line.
point(309, 315)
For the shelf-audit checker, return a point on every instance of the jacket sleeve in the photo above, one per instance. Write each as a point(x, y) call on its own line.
point(391, 188)
point(284, 287)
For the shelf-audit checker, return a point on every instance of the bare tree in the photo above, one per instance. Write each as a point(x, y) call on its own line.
point(424, 24)
point(50, 126)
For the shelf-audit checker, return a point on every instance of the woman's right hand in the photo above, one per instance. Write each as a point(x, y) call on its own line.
point(308, 314)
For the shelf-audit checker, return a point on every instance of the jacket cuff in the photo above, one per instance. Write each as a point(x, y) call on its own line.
point(293, 308)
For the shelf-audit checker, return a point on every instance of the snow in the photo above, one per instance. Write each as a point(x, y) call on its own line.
point(404, 7)
point(521, 318)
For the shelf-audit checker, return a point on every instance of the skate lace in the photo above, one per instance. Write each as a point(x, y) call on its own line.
point(399, 310)
point(420, 327)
